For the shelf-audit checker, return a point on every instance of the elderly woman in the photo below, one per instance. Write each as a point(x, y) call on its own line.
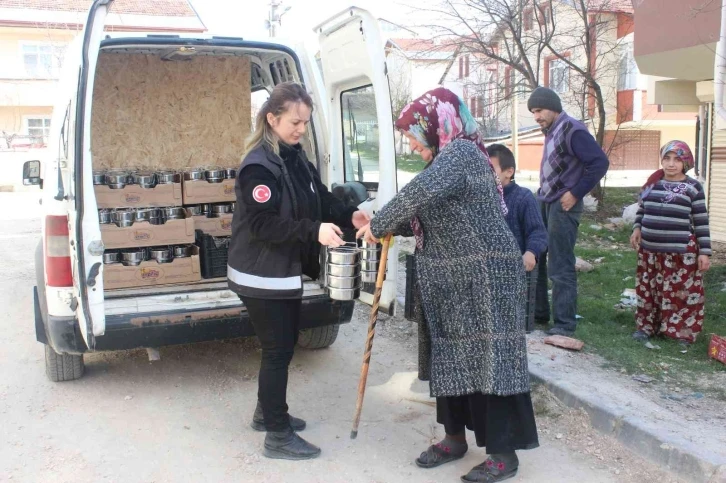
point(472, 284)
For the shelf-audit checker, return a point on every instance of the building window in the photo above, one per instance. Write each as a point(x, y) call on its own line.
point(559, 76)
point(528, 19)
point(42, 60)
point(627, 69)
point(38, 129)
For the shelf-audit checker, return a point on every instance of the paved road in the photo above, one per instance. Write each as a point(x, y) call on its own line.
point(184, 418)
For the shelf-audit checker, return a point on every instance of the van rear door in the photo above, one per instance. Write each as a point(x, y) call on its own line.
point(85, 233)
point(360, 143)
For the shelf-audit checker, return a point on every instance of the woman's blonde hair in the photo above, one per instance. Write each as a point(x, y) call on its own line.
point(282, 97)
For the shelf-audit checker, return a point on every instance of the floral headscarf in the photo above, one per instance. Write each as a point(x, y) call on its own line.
point(435, 119)
point(681, 150)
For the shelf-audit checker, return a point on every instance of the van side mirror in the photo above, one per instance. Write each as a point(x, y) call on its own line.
point(31, 173)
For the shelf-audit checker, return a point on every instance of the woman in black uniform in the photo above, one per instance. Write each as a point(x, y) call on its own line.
point(284, 213)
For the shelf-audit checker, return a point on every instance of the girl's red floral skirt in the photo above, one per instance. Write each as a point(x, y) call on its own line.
point(670, 294)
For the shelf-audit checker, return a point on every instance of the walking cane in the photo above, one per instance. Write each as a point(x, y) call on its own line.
point(371, 332)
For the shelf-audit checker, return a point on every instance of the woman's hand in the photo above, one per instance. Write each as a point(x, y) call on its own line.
point(329, 235)
point(529, 261)
point(360, 219)
point(635, 239)
point(704, 263)
point(366, 234)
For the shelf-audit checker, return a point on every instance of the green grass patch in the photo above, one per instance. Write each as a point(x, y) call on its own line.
point(411, 163)
point(608, 331)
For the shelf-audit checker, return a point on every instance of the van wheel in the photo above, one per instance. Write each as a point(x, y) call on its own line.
point(319, 337)
point(61, 368)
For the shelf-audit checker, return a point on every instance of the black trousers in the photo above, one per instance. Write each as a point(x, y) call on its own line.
point(276, 324)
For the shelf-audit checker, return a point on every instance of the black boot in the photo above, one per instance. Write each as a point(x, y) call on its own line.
point(258, 421)
point(287, 445)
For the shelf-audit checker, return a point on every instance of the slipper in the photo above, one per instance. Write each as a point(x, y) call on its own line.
point(489, 472)
point(437, 455)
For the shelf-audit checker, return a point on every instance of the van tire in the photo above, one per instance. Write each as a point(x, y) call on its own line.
point(319, 337)
point(61, 368)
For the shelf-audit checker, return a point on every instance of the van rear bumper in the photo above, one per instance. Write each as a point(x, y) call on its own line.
point(169, 328)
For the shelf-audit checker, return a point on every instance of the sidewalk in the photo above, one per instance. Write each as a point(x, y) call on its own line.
point(685, 434)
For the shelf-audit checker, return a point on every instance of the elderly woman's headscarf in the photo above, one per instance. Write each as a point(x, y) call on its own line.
point(439, 117)
point(435, 119)
point(681, 150)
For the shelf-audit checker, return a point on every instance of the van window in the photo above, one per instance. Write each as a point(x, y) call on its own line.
point(360, 135)
point(258, 99)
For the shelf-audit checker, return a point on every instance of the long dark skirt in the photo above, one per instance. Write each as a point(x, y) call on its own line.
point(502, 424)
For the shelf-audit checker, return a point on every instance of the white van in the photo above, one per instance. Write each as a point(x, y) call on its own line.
point(185, 100)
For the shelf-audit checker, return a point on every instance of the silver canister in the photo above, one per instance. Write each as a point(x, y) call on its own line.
point(194, 174)
point(174, 213)
point(230, 173)
point(342, 293)
point(161, 255)
point(183, 251)
point(206, 209)
point(104, 216)
point(99, 177)
point(369, 265)
point(343, 282)
point(220, 209)
point(123, 218)
point(110, 257)
point(343, 270)
point(370, 277)
point(214, 174)
point(167, 177)
point(156, 216)
point(132, 258)
point(344, 260)
point(145, 179)
point(233, 205)
point(117, 179)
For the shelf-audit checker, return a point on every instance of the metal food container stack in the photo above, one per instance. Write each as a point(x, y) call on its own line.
point(370, 260)
point(343, 272)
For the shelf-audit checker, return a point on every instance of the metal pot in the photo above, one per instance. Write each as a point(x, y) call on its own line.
point(110, 257)
point(342, 282)
point(145, 179)
point(370, 277)
point(133, 257)
point(220, 209)
point(123, 218)
point(343, 256)
point(156, 220)
point(104, 216)
point(230, 173)
point(194, 174)
point(117, 179)
point(369, 265)
point(343, 270)
point(174, 213)
point(342, 293)
point(371, 255)
point(194, 210)
point(143, 214)
point(183, 251)
point(364, 245)
point(168, 177)
point(99, 177)
point(161, 255)
point(215, 174)
point(233, 205)
point(206, 208)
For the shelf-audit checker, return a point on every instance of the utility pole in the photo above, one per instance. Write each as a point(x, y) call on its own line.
point(274, 19)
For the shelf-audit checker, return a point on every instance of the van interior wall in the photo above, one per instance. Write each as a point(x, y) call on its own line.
point(150, 113)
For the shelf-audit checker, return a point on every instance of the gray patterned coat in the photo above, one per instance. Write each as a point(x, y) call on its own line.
point(470, 274)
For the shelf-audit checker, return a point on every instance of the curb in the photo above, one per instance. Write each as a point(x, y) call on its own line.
point(678, 455)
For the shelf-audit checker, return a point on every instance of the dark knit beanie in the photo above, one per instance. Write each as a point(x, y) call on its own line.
point(544, 98)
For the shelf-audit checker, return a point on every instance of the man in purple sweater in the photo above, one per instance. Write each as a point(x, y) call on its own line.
point(572, 165)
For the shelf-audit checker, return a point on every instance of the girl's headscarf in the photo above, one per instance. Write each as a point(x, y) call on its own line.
point(681, 150)
point(437, 118)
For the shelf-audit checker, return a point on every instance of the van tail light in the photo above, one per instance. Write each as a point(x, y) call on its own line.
point(57, 252)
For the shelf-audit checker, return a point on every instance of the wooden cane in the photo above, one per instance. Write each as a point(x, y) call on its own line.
point(371, 333)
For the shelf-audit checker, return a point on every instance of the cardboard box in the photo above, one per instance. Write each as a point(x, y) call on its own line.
point(144, 234)
point(196, 192)
point(131, 196)
point(717, 348)
point(221, 226)
point(181, 270)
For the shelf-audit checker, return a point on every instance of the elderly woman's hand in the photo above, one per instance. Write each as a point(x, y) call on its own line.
point(360, 219)
point(366, 234)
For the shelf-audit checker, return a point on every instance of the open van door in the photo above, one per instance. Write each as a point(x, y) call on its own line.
point(361, 146)
point(85, 232)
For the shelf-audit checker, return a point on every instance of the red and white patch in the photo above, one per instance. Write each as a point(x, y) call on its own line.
point(261, 193)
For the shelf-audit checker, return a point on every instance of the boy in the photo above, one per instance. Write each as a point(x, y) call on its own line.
point(524, 218)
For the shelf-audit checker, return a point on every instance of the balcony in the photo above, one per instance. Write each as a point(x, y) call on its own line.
point(27, 92)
